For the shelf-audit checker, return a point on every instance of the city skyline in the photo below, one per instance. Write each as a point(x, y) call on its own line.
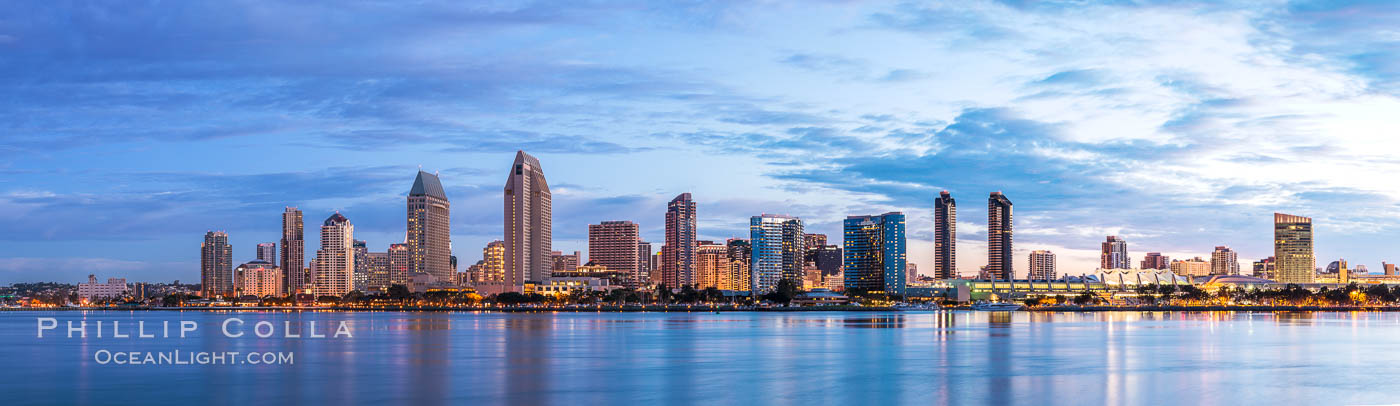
point(1188, 124)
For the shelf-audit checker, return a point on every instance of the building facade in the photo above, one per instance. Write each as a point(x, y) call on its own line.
point(712, 266)
point(267, 251)
point(740, 259)
point(259, 278)
point(678, 255)
point(1293, 249)
point(776, 251)
point(1113, 254)
point(614, 244)
point(1041, 266)
point(1224, 261)
point(999, 264)
point(528, 223)
point(400, 258)
point(1155, 260)
point(1192, 267)
point(113, 289)
point(874, 257)
point(294, 273)
point(216, 265)
point(378, 272)
point(945, 236)
point(644, 263)
point(335, 261)
point(561, 262)
point(429, 235)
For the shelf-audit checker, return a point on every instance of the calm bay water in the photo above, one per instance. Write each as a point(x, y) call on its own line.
point(806, 358)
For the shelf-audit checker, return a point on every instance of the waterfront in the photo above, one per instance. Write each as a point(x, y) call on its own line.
point(948, 357)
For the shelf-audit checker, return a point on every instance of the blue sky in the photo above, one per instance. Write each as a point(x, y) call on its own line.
point(128, 129)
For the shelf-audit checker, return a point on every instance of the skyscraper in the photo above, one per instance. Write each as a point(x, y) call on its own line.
point(678, 255)
point(335, 261)
point(400, 260)
point(712, 267)
point(1265, 268)
point(294, 274)
point(429, 236)
point(1041, 265)
point(945, 237)
point(813, 240)
point(493, 262)
point(777, 252)
point(378, 271)
point(1224, 261)
point(528, 223)
point(1293, 248)
point(740, 259)
point(873, 254)
point(216, 265)
point(360, 279)
point(828, 259)
point(999, 264)
point(1155, 260)
point(1113, 254)
point(644, 266)
point(613, 244)
point(267, 252)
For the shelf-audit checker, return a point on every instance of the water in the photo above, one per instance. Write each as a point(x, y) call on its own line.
point(803, 358)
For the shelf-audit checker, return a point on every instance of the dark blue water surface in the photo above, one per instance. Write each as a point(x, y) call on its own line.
point(800, 358)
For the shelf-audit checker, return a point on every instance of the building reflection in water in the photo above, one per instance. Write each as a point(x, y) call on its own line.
point(526, 371)
point(875, 321)
point(1000, 386)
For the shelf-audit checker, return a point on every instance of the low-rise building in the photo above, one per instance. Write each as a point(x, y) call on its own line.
point(114, 288)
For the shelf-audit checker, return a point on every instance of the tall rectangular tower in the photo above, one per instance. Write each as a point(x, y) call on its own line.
point(613, 244)
point(945, 237)
point(216, 264)
point(429, 236)
point(294, 274)
point(1293, 249)
point(267, 251)
point(1041, 265)
point(1113, 254)
point(776, 251)
point(999, 265)
point(528, 223)
point(335, 261)
point(874, 254)
point(678, 255)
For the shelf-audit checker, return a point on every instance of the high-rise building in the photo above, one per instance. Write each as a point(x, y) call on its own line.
point(874, 257)
point(562, 262)
point(644, 265)
point(429, 236)
point(1293, 249)
point(335, 261)
point(216, 265)
point(999, 264)
point(1224, 261)
point(1264, 268)
point(1041, 265)
point(400, 258)
point(828, 260)
point(945, 236)
point(1155, 260)
point(1191, 267)
point(777, 252)
point(740, 259)
point(267, 251)
point(712, 266)
point(911, 273)
point(813, 240)
point(378, 272)
point(294, 274)
point(493, 266)
point(678, 255)
point(258, 278)
point(613, 244)
point(1114, 254)
point(360, 279)
point(528, 222)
